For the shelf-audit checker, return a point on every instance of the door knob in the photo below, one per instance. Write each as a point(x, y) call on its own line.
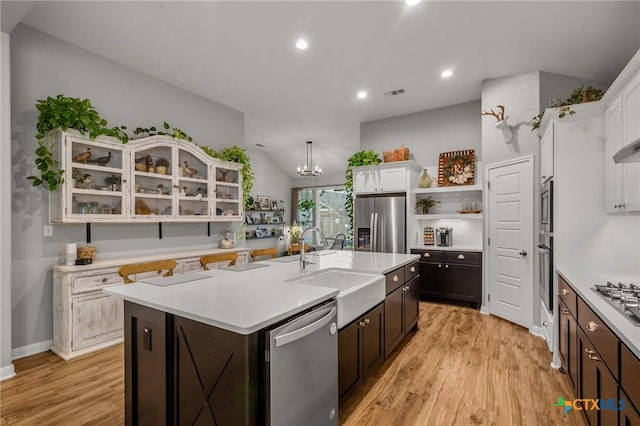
point(523, 252)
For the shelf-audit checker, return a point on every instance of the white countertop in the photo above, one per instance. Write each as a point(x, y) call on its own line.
point(621, 326)
point(245, 302)
point(454, 247)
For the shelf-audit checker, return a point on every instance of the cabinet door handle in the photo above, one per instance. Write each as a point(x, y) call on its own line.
point(362, 324)
point(413, 269)
point(104, 280)
point(446, 266)
point(461, 256)
point(592, 326)
point(426, 255)
point(439, 265)
point(564, 292)
point(366, 321)
point(395, 279)
point(564, 311)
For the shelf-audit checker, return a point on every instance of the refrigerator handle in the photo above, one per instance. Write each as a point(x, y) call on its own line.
point(375, 224)
point(372, 233)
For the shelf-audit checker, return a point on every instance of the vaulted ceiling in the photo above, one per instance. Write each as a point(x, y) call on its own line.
point(242, 54)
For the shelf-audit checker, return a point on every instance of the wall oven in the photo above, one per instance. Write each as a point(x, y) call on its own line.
point(545, 247)
point(546, 207)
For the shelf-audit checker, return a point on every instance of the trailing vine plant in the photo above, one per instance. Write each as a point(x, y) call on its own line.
point(360, 158)
point(578, 96)
point(306, 206)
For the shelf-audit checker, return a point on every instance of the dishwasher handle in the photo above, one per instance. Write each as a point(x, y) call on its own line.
point(306, 330)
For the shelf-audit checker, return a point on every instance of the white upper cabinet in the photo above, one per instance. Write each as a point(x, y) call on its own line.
point(155, 179)
point(546, 154)
point(383, 178)
point(622, 181)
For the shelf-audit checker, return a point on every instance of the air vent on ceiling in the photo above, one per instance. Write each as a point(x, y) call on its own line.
point(394, 92)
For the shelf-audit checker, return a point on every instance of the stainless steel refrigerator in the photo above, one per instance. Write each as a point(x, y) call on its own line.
point(380, 223)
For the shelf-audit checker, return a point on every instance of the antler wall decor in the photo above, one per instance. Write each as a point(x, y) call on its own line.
point(501, 124)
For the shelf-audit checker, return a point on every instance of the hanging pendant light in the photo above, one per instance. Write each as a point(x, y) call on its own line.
point(309, 169)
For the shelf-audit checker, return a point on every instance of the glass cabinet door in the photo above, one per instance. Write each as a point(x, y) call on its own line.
point(228, 194)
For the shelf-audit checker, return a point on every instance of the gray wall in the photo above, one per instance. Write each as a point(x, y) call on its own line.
point(45, 66)
point(6, 367)
point(427, 133)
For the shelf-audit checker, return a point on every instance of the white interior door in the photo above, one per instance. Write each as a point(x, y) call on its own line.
point(510, 265)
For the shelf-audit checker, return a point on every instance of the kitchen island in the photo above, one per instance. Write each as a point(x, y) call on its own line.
point(217, 324)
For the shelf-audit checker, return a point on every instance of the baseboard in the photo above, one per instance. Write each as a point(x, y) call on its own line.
point(536, 330)
point(7, 372)
point(33, 349)
point(484, 310)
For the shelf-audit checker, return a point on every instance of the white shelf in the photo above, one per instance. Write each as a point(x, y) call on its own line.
point(441, 189)
point(472, 216)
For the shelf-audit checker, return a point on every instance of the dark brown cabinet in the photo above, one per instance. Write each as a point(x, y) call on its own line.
point(629, 416)
point(596, 383)
point(360, 350)
point(401, 305)
point(568, 340)
point(630, 392)
point(451, 275)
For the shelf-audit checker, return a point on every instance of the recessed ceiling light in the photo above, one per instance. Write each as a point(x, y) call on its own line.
point(446, 73)
point(362, 94)
point(412, 2)
point(302, 44)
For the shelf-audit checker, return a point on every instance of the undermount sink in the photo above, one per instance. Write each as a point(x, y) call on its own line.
point(284, 259)
point(359, 291)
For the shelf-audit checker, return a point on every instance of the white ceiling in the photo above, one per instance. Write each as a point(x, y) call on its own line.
point(241, 54)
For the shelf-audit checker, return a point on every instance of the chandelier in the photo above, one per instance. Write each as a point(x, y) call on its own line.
point(309, 169)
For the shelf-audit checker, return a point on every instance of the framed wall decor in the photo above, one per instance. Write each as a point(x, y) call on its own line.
point(264, 203)
point(274, 205)
point(457, 168)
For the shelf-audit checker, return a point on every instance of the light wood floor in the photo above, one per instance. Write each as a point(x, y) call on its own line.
point(460, 368)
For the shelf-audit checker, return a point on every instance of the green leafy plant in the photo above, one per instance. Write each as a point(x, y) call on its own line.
point(577, 96)
point(163, 162)
point(237, 155)
point(249, 203)
point(424, 204)
point(51, 176)
point(174, 132)
point(360, 158)
point(306, 206)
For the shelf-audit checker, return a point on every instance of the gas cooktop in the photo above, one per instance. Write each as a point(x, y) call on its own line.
point(624, 298)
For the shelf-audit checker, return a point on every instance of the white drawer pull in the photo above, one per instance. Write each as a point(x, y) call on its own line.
point(395, 278)
point(413, 269)
point(592, 326)
point(564, 292)
point(426, 255)
point(461, 256)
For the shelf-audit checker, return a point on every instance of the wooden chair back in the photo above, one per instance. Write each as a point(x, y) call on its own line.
point(295, 248)
point(126, 271)
point(208, 259)
point(270, 251)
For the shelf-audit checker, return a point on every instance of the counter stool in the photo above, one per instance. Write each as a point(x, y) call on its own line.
point(138, 268)
point(267, 253)
point(208, 259)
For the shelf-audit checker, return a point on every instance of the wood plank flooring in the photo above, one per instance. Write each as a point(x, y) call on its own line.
point(460, 368)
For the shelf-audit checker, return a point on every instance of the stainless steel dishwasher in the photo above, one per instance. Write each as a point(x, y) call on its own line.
point(302, 369)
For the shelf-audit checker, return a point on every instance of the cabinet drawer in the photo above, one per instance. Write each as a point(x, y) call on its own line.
point(567, 295)
point(463, 257)
point(394, 279)
point(95, 281)
point(629, 374)
point(411, 271)
point(603, 339)
point(428, 255)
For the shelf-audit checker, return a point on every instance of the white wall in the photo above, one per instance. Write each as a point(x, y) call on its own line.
point(427, 133)
point(6, 367)
point(45, 66)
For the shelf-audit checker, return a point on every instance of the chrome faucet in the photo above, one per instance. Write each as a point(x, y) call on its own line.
point(303, 262)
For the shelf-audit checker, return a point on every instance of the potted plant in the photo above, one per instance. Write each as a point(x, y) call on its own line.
point(162, 166)
point(578, 96)
point(306, 207)
point(424, 204)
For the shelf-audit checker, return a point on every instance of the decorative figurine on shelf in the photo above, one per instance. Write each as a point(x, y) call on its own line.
point(101, 161)
point(149, 163)
point(425, 180)
point(227, 239)
point(141, 165)
point(83, 156)
point(190, 171)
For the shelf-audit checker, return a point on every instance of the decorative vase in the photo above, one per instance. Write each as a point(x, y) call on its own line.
point(425, 180)
point(161, 170)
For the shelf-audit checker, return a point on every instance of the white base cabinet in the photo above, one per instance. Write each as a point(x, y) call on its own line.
point(84, 318)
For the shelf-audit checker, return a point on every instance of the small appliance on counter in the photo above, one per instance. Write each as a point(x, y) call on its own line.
point(444, 236)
